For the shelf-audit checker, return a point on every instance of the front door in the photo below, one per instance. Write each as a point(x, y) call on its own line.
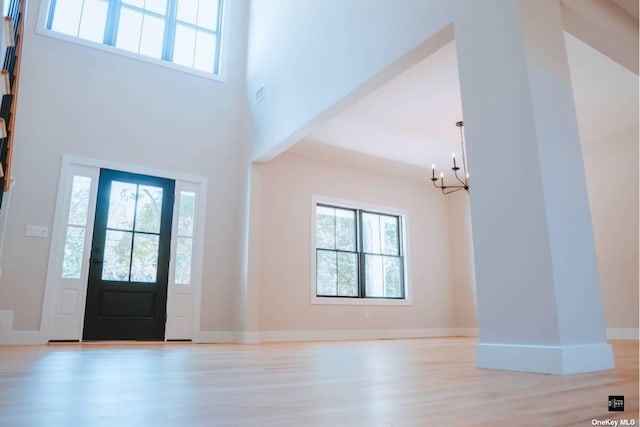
point(130, 252)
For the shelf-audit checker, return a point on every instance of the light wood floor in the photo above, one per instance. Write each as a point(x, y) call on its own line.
point(426, 382)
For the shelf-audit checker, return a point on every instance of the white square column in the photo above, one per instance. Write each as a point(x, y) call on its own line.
point(538, 290)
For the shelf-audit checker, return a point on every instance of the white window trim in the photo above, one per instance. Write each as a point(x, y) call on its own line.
point(314, 299)
point(41, 28)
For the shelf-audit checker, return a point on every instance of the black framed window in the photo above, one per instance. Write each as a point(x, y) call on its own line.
point(359, 253)
point(183, 32)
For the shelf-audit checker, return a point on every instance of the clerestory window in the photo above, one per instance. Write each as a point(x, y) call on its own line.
point(182, 32)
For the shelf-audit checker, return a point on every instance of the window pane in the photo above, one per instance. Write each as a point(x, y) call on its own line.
point(183, 261)
point(187, 210)
point(117, 255)
point(79, 204)
point(144, 264)
point(122, 202)
point(129, 29)
point(389, 225)
point(152, 36)
point(137, 3)
point(208, 14)
point(149, 209)
point(205, 53)
point(184, 45)
point(371, 233)
point(392, 278)
point(188, 10)
point(373, 276)
point(158, 6)
point(326, 273)
point(325, 228)
point(347, 274)
point(94, 19)
point(345, 230)
point(73, 248)
point(66, 18)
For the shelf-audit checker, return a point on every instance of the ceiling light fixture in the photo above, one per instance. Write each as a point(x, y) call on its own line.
point(464, 182)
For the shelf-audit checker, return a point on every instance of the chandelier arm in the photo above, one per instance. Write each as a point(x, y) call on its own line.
point(452, 189)
point(455, 172)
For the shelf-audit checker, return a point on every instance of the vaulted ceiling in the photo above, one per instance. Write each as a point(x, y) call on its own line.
point(411, 119)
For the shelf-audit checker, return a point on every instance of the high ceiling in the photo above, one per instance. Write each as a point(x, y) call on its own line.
point(411, 119)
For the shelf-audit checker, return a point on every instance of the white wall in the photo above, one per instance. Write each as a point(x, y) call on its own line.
point(611, 165)
point(289, 181)
point(461, 260)
point(81, 101)
point(309, 55)
point(316, 58)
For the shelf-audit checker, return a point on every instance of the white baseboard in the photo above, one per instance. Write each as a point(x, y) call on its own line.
point(256, 337)
point(622, 333)
point(10, 337)
point(22, 338)
point(248, 337)
point(545, 359)
point(363, 334)
point(466, 332)
point(214, 337)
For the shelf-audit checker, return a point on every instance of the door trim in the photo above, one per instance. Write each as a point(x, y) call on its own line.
point(74, 165)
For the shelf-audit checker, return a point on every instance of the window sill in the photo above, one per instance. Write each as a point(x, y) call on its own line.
point(116, 51)
point(359, 301)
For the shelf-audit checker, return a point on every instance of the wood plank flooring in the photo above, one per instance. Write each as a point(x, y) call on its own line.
point(421, 382)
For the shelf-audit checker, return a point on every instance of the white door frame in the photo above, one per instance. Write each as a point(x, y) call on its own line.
point(64, 299)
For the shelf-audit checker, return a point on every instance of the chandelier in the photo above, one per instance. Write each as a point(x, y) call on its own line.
point(461, 183)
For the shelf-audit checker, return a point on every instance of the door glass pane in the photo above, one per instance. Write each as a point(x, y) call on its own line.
point(373, 276)
point(94, 19)
point(117, 255)
point(326, 273)
point(66, 18)
point(152, 36)
point(347, 274)
point(129, 29)
point(371, 233)
point(389, 228)
point(122, 203)
point(149, 209)
point(73, 248)
point(144, 265)
point(188, 10)
point(79, 204)
point(183, 261)
point(184, 45)
point(392, 281)
point(345, 230)
point(208, 14)
point(325, 228)
point(187, 210)
point(205, 52)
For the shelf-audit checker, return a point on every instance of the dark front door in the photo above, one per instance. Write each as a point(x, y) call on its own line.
point(129, 265)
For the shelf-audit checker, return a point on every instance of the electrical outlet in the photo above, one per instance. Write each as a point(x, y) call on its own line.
point(36, 231)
